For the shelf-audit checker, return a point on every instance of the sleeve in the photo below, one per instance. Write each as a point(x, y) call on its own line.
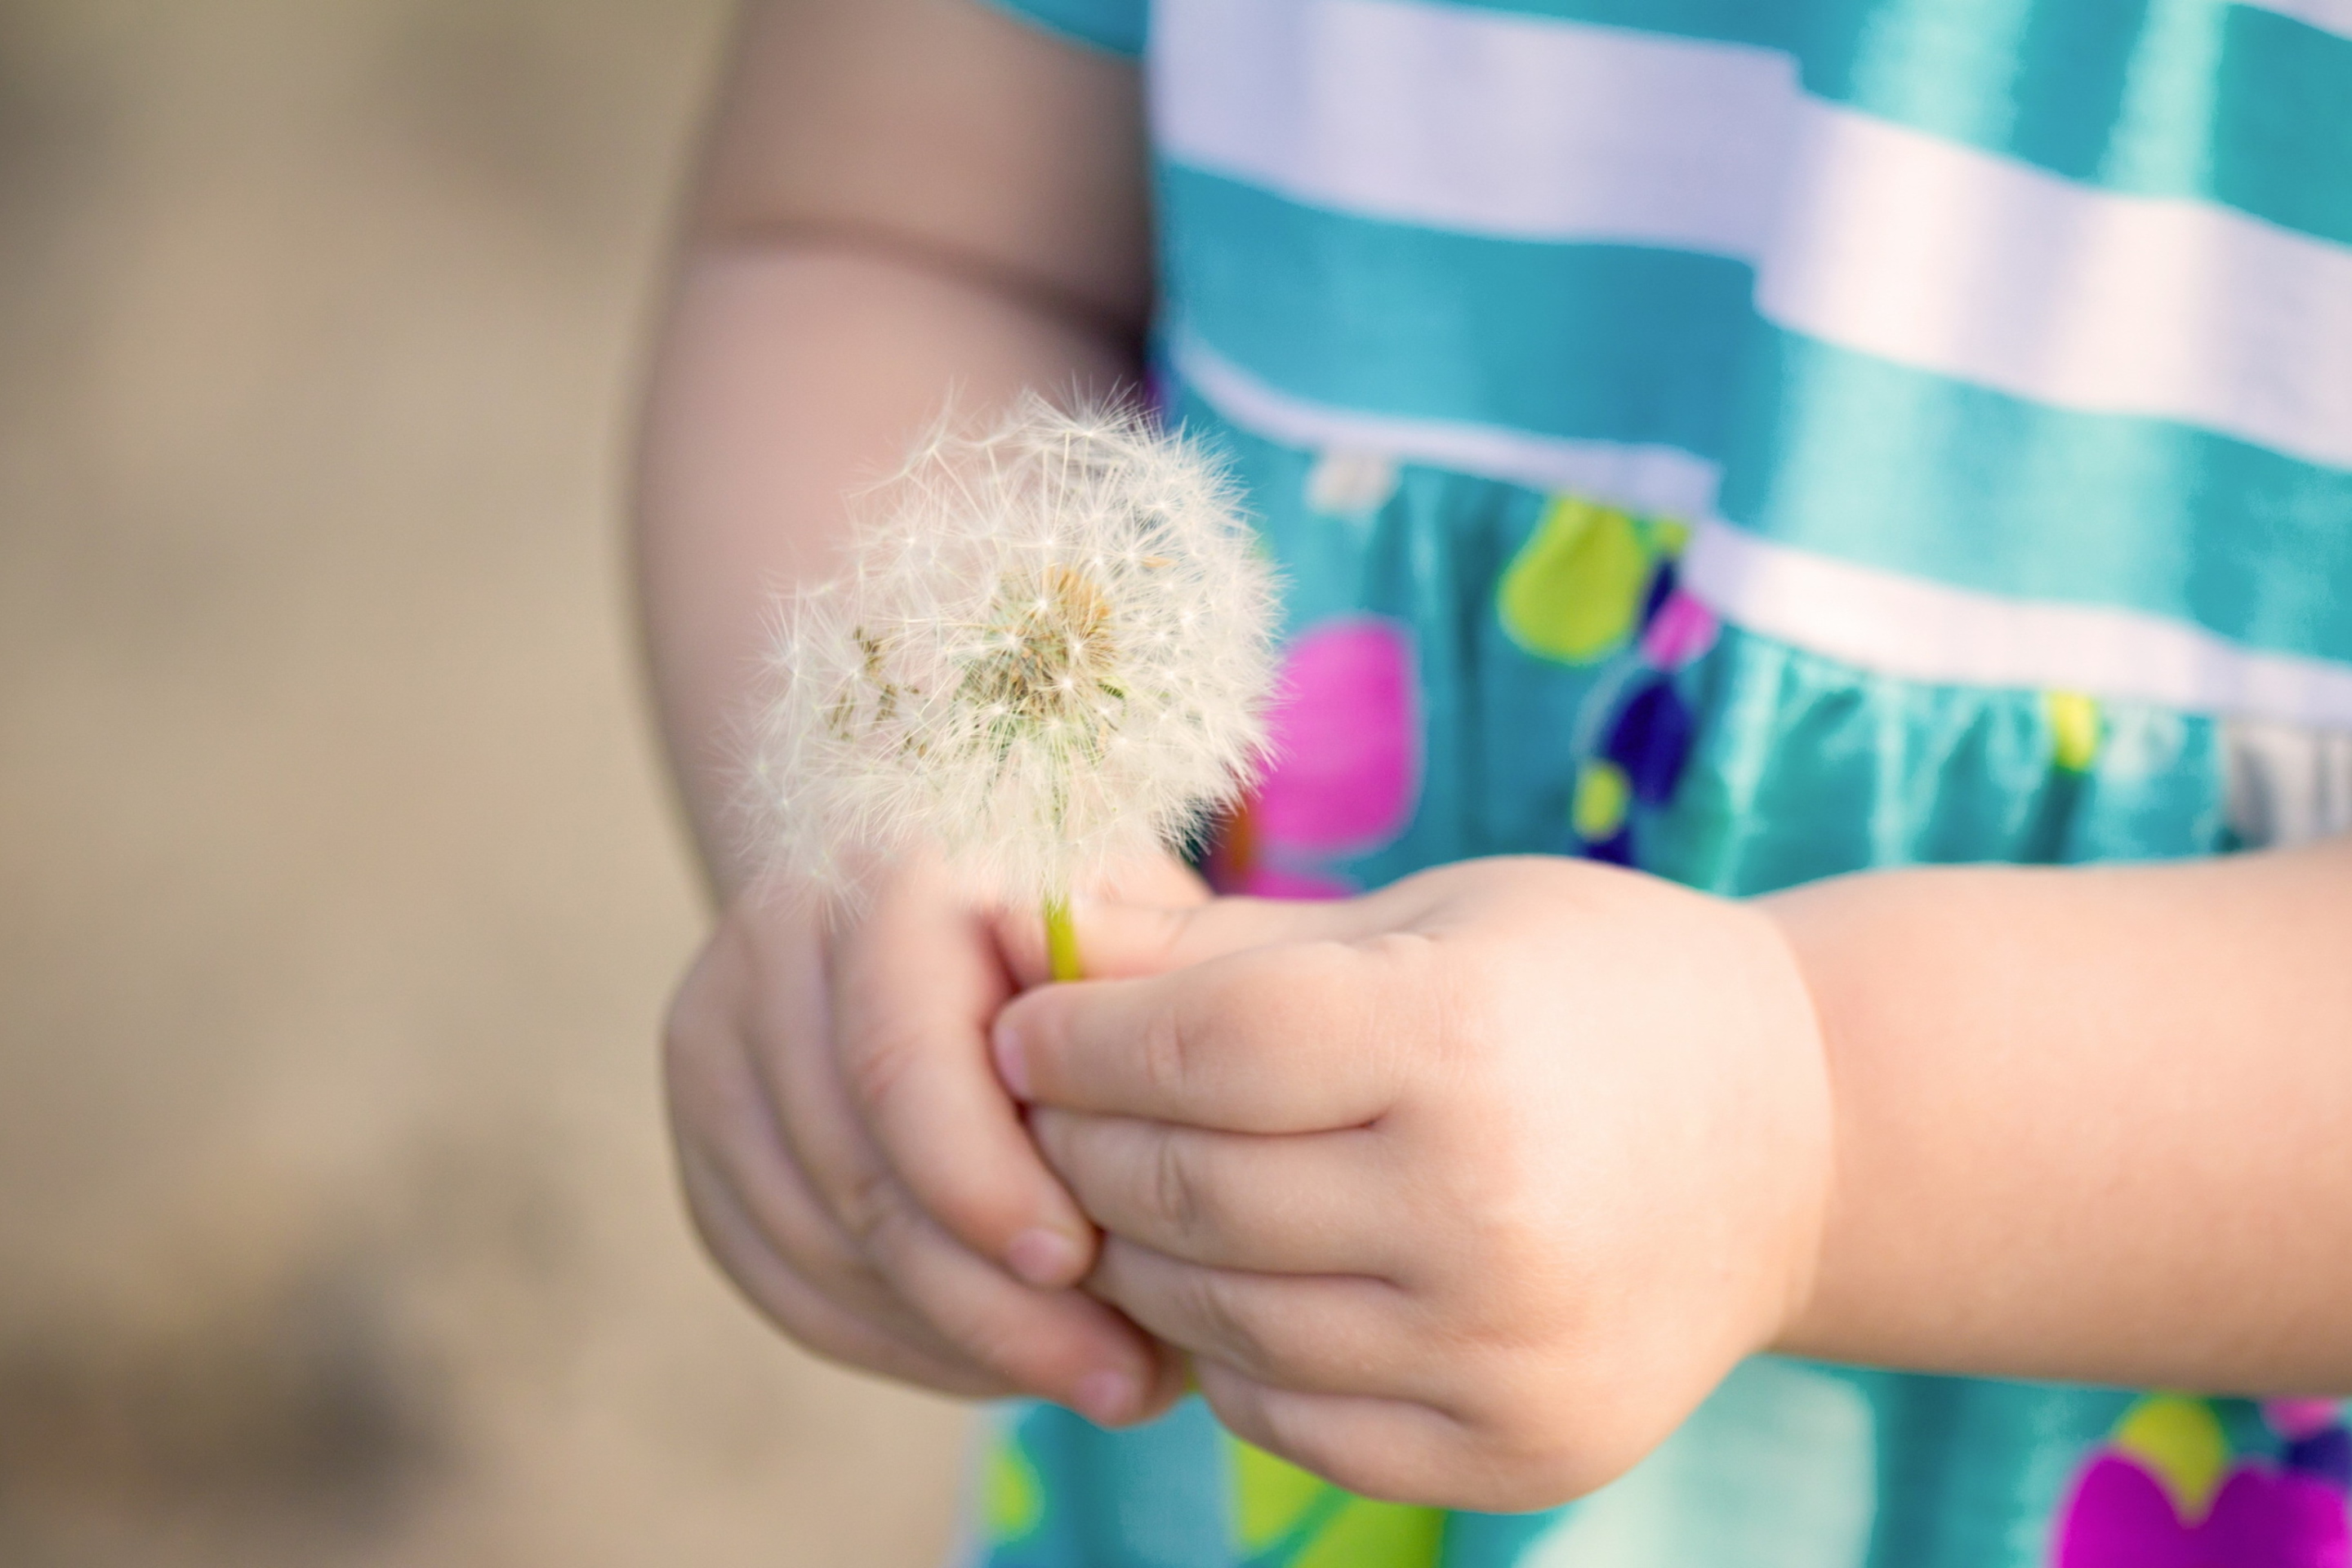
point(1115, 25)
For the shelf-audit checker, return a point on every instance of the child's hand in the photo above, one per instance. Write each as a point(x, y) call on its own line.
point(1465, 1193)
point(852, 1161)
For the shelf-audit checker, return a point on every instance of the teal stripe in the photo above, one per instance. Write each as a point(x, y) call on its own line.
point(1872, 462)
point(1833, 450)
point(1116, 26)
point(2196, 98)
point(2156, 98)
point(1612, 343)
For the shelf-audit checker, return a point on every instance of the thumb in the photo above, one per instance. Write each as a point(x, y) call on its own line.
point(1125, 934)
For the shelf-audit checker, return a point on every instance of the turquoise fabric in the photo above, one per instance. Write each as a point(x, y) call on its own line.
point(1415, 322)
point(1798, 768)
point(2011, 498)
point(1481, 664)
point(2160, 97)
point(1819, 445)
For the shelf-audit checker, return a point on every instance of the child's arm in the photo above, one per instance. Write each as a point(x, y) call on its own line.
point(2093, 1124)
point(904, 198)
point(1467, 1191)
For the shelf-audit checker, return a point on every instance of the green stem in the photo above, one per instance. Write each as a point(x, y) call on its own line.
point(1061, 939)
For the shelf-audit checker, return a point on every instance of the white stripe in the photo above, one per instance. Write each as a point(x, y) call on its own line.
point(1908, 626)
point(1875, 619)
point(1456, 117)
point(2327, 16)
point(1662, 479)
point(1918, 250)
point(1863, 234)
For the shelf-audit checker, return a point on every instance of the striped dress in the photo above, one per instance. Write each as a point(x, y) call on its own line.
point(1754, 440)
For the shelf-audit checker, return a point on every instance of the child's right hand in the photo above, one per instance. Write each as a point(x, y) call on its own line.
point(851, 1160)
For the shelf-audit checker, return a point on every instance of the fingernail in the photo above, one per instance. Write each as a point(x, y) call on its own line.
point(1043, 1258)
point(1105, 1398)
point(1006, 1046)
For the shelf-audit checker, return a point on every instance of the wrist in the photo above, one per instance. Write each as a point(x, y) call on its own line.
point(1793, 1317)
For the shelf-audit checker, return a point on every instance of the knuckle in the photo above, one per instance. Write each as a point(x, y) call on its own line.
point(1228, 1324)
point(1176, 1196)
point(870, 1211)
point(1166, 1050)
point(876, 1063)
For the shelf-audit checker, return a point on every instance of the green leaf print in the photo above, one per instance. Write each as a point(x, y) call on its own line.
point(1574, 591)
point(1289, 1519)
point(1013, 1497)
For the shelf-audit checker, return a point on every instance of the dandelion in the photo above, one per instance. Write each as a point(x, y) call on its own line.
point(1050, 654)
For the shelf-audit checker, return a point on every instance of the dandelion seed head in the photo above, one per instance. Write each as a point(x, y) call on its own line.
point(1049, 652)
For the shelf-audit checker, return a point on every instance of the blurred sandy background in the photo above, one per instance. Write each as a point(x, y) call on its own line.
point(338, 895)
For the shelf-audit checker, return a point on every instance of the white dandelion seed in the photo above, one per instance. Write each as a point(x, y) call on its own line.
point(1051, 653)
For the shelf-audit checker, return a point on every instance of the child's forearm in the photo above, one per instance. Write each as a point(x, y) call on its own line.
point(790, 378)
point(2093, 1124)
point(905, 200)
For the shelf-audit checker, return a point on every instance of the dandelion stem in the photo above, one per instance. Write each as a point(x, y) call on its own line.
point(1061, 939)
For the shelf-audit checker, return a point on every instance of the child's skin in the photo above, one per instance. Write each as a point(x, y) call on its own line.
point(1467, 1191)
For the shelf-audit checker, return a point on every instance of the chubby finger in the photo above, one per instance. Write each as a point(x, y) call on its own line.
point(731, 1154)
point(807, 1312)
point(1057, 1343)
point(1277, 1205)
point(1327, 1333)
point(1388, 1448)
point(914, 986)
point(1064, 1345)
point(758, 1209)
point(1302, 1037)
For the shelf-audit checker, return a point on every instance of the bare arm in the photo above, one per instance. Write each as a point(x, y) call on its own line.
point(2092, 1123)
point(903, 199)
point(1596, 1137)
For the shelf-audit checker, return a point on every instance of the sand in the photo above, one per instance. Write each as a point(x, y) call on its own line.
point(339, 893)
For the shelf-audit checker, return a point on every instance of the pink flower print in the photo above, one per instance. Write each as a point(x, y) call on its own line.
point(1680, 631)
point(2164, 1492)
point(1346, 733)
point(1347, 762)
point(2123, 1517)
point(2302, 1417)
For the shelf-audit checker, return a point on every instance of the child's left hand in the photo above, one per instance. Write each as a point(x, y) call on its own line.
point(1465, 1193)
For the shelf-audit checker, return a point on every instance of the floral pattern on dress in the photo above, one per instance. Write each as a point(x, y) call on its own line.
point(1347, 763)
point(1285, 1518)
point(2166, 1490)
point(1594, 584)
